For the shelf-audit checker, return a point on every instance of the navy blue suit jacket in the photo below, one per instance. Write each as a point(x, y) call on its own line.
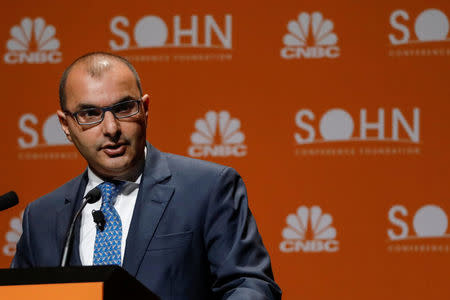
point(192, 235)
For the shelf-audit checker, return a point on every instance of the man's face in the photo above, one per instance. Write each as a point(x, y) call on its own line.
point(113, 148)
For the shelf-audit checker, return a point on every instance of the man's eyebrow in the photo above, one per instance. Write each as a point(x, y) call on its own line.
point(126, 98)
point(123, 99)
point(85, 106)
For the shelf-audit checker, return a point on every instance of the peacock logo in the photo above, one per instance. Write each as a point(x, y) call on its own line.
point(310, 36)
point(13, 235)
point(33, 41)
point(217, 135)
point(309, 230)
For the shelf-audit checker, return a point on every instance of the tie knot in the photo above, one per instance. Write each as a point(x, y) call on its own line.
point(110, 190)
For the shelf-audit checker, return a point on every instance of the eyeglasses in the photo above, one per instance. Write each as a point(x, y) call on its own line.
point(95, 115)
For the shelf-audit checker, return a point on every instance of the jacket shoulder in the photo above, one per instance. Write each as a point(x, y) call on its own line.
point(182, 165)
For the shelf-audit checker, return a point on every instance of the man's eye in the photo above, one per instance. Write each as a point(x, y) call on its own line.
point(124, 107)
point(90, 113)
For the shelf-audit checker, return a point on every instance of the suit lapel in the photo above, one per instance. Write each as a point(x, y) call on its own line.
point(153, 197)
point(64, 217)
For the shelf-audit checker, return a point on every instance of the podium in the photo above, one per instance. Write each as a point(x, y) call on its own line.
point(86, 283)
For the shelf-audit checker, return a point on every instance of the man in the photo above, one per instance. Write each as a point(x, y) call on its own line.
point(181, 226)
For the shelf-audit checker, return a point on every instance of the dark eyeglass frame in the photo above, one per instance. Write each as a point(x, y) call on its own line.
point(104, 110)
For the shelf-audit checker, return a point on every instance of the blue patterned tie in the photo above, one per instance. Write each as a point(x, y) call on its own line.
point(108, 241)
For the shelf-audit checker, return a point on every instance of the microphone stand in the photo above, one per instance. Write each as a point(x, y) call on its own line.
point(91, 197)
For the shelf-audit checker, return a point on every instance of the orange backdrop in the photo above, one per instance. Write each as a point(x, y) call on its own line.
point(334, 112)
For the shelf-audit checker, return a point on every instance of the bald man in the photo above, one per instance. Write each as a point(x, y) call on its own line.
point(180, 226)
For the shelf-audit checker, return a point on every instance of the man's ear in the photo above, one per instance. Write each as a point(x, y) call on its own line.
point(145, 102)
point(64, 125)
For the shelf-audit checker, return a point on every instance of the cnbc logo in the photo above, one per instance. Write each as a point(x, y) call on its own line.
point(309, 230)
point(33, 42)
point(13, 235)
point(217, 135)
point(310, 36)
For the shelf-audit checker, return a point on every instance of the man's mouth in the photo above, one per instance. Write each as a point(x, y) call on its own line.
point(114, 150)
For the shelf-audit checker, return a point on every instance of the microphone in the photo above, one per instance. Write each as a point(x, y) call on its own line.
point(99, 219)
point(8, 200)
point(91, 197)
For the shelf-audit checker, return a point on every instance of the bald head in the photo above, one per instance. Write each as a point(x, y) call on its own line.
point(95, 64)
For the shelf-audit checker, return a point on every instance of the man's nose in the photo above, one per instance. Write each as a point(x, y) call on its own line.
point(110, 124)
